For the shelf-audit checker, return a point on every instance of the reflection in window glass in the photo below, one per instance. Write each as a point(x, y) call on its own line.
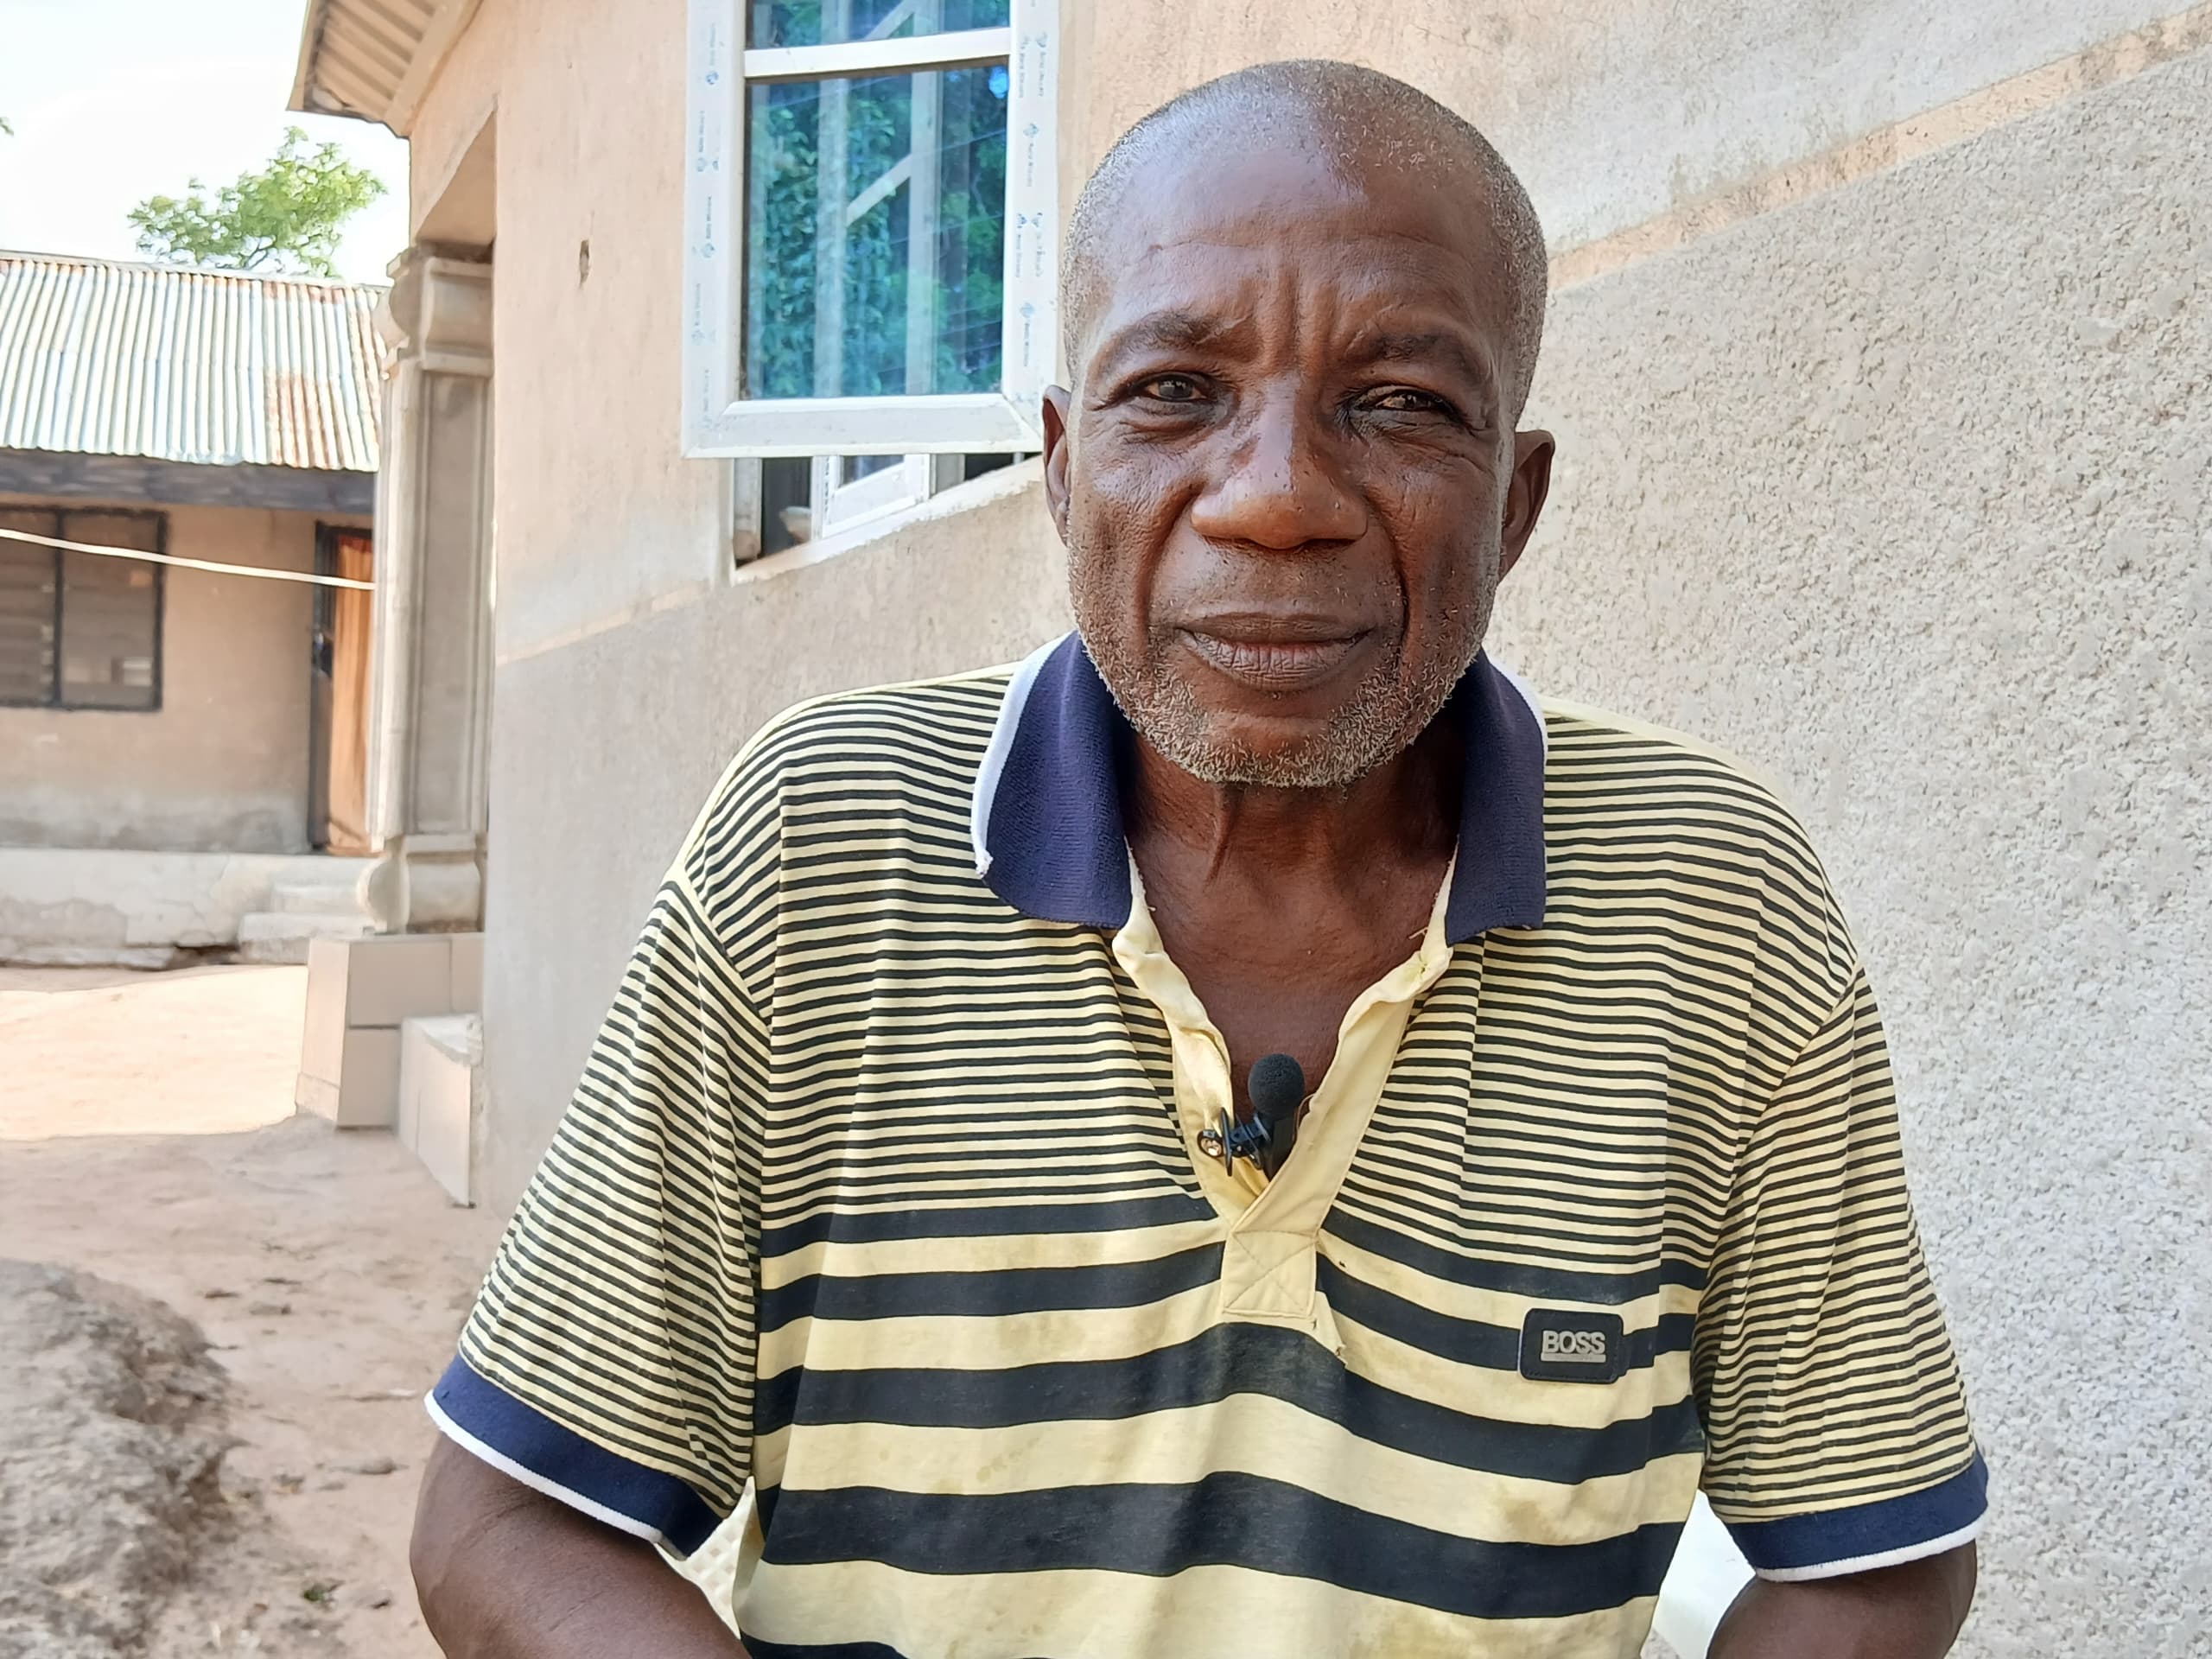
point(787, 504)
point(835, 22)
point(109, 610)
point(79, 630)
point(28, 636)
point(875, 234)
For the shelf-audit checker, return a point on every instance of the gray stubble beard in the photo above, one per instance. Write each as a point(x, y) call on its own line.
point(1379, 720)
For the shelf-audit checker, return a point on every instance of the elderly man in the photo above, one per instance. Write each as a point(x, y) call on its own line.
point(1248, 1134)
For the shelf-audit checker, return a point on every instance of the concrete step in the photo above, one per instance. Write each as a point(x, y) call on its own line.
point(442, 1095)
point(332, 888)
point(283, 936)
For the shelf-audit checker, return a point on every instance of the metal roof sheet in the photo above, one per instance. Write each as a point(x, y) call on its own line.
point(104, 358)
point(375, 58)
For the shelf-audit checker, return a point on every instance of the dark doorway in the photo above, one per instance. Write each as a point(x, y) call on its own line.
point(338, 707)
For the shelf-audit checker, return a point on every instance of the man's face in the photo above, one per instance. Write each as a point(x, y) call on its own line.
point(1287, 482)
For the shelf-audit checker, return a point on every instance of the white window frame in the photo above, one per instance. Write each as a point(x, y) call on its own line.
point(718, 422)
point(840, 502)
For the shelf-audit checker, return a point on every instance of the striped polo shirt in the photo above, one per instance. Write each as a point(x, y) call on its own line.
point(881, 1193)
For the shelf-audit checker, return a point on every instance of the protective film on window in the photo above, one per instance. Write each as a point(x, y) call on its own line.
point(837, 22)
point(876, 232)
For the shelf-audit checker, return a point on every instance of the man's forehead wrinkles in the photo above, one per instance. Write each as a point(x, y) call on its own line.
point(1170, 330)
point(1246, 229)
point(1374, 342)
point(1371, 317)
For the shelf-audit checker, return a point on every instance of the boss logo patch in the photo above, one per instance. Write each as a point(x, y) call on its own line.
point(1559, 1346)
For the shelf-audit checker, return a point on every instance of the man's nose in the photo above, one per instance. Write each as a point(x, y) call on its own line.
point(1280, 488)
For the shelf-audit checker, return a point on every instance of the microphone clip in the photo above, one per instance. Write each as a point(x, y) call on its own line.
point(1241, 1140)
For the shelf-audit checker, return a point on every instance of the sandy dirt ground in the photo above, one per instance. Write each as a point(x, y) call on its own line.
point(147, 1136)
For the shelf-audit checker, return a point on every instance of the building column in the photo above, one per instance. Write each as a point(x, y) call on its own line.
point(431, 708)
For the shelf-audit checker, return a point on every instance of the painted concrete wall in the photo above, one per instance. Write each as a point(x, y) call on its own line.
point(600, 516)
point(1613, 112)
point(1897, 490)
point(222, 765)
point(623, 734)
point(1901, 492)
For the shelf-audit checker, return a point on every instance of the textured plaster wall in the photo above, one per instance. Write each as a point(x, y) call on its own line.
point(600, 516)
point(1903, 494)
point(222, 765)
point(1612, 110)
point(1615, 109)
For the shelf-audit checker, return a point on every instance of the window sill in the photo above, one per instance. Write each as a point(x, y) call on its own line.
point(961, 498)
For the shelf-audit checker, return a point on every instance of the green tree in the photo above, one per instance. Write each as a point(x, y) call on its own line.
point(286, 216)
point(969, 234)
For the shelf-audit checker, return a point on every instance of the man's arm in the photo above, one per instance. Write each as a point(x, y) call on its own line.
point(1911, 1611)
point(506, 1572)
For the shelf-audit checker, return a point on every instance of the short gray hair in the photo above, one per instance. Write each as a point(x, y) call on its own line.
point(1348, 104)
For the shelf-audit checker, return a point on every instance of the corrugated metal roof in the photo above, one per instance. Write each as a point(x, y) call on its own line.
point(375, 58)
point(103, 357)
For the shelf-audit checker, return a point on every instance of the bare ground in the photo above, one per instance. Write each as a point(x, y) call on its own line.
point(147, 1136)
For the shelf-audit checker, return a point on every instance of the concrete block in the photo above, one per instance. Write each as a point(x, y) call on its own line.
point(398, 976)
point(441, 1092)
point(407, 1113)
point(467, 972)
point(334, 888)
point(323, 1038)
point(368, 1089)
point(273, 936)
point(365, 1092)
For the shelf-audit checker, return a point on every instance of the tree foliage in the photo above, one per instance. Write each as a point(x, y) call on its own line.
point(286, 216)
point(968, 236)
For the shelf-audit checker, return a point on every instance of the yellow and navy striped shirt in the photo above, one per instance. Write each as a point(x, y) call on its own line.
point(881, 1193)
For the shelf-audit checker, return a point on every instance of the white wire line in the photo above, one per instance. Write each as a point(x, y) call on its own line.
point(189, 565)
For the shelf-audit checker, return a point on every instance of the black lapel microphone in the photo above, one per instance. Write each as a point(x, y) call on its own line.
point(1277, 1088)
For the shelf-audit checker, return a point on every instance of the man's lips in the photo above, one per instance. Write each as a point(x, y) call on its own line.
point(1277, 655)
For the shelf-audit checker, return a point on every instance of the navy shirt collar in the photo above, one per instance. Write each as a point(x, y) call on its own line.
point(1047, 814)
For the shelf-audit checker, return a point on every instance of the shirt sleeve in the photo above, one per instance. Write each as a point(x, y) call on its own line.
point(609, 1361)
point(1837, 1437)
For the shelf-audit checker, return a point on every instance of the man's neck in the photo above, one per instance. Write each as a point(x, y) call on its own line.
point(1402, 815)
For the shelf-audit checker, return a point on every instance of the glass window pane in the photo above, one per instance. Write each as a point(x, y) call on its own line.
point(876, 235)
point(110, 612)
point(27, 580)
point(787, 504)
point(837, 22)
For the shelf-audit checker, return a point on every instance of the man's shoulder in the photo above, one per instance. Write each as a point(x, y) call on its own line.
point(859, 757)
point(1589, 748)
point(923, 722)
point(855, 788)
point(1630, 781)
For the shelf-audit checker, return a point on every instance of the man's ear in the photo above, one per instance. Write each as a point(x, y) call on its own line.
point(1531, 484)
point(1056, 457)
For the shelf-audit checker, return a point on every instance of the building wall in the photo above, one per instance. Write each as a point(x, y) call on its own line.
point(1890, 479)
point(600, 517)
point(222, 765)
point(1900, 492)
point(1614, 112)
point(628, 729)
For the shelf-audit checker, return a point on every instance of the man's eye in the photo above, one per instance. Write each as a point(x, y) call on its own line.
point(1171, 389)
point(1404, 400)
